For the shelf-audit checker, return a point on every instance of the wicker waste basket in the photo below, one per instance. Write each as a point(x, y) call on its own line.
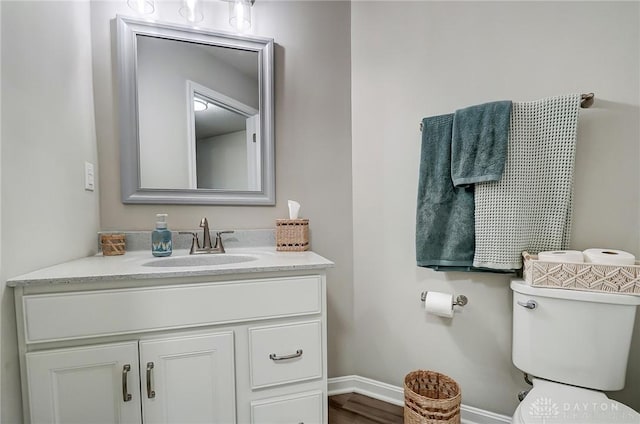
point(431, 398)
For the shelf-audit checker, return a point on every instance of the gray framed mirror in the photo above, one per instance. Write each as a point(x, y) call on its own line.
point(196, 115)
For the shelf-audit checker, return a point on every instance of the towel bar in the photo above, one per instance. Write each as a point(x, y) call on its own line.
point(586, 101)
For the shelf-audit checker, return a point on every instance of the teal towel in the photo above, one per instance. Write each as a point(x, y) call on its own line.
point(479, 142)
point(445, 232)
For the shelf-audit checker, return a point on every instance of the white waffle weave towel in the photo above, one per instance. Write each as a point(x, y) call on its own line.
point(530, 207)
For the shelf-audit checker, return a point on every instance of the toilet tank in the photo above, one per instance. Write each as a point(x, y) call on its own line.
point(573, 337)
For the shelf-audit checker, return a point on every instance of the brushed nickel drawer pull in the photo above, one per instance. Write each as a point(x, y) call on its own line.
point(275, 357)
point(126, 396)
point(150, 392)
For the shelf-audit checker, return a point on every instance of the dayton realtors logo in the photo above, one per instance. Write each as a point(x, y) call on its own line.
point(544, 409)
point(547, 411)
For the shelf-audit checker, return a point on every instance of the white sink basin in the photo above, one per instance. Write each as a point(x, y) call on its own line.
point(200, 260)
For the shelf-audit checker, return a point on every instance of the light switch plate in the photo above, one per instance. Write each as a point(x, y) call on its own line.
point(89, 178)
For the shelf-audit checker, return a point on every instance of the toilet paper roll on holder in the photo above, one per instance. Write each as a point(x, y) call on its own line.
point(461, 300)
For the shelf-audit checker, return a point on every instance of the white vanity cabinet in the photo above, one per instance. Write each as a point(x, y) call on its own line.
point(243, 349)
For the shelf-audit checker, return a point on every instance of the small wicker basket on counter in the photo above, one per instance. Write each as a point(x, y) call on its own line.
point(292, 235)
point(622, 279)
point(431, 398)
point(112, 244)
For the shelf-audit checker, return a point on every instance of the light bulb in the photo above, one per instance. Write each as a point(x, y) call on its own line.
point(240, 14)
point(144, 7)
point(191, 10)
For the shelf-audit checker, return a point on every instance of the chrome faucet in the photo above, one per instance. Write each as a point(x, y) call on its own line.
point(206, 240)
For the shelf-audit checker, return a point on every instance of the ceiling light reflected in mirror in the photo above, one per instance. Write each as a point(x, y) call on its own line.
point(200, 105)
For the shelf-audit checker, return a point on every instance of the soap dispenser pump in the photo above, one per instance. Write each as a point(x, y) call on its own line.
point(161, 237)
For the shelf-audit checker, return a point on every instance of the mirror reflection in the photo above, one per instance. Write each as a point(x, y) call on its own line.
point(207, 96)
point(226, 144)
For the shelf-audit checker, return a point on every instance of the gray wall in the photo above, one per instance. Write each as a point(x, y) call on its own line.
point(416, 59)
point(47, 134)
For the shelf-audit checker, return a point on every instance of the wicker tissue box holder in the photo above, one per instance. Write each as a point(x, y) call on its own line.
point(292, 235)
point(622, 279)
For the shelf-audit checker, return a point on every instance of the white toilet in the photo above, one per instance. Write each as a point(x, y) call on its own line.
point(573, 344)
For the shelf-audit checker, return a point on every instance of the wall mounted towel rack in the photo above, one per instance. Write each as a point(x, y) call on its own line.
point(586, 101)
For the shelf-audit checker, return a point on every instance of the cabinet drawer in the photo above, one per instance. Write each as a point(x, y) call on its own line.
point(286, 353)
point(76, 315)
point(299, 408)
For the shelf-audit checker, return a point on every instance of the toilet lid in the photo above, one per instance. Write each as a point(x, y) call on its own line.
point(551, 402)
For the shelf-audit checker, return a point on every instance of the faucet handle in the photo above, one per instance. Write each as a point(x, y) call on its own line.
point(195, 243)
point(218, 244)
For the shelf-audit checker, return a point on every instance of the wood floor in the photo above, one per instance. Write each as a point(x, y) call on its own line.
point(352, 408)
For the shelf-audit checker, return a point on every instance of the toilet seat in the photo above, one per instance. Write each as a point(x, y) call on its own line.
point(551, 402)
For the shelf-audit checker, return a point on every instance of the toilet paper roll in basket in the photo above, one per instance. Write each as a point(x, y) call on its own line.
point(561, 256)
point(608, 257)
point(440, 304)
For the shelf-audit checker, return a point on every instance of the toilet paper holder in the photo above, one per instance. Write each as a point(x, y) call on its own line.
point(461, 300)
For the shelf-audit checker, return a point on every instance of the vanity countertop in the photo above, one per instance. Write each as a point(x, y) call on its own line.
point(131, 266)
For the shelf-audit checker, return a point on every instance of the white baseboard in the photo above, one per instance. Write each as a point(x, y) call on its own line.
point(395, 395)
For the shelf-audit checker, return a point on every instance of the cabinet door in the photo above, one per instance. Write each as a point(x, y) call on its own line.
point(188, 379)
point(92, 384)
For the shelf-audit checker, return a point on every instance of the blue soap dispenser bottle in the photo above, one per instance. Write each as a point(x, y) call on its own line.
point(161, 237)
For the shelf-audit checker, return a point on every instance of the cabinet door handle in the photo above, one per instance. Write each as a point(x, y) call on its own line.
point(275, 357)
point(126, 396)
point(150, 392)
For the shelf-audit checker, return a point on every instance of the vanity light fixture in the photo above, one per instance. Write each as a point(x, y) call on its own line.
point(240, 14)
point(191, 10)
point(143, 7)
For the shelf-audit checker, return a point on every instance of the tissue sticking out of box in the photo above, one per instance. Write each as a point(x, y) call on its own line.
point(294, 209)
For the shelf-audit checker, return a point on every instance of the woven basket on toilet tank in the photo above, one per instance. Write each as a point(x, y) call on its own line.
point(431, 398)
point(622, 279)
